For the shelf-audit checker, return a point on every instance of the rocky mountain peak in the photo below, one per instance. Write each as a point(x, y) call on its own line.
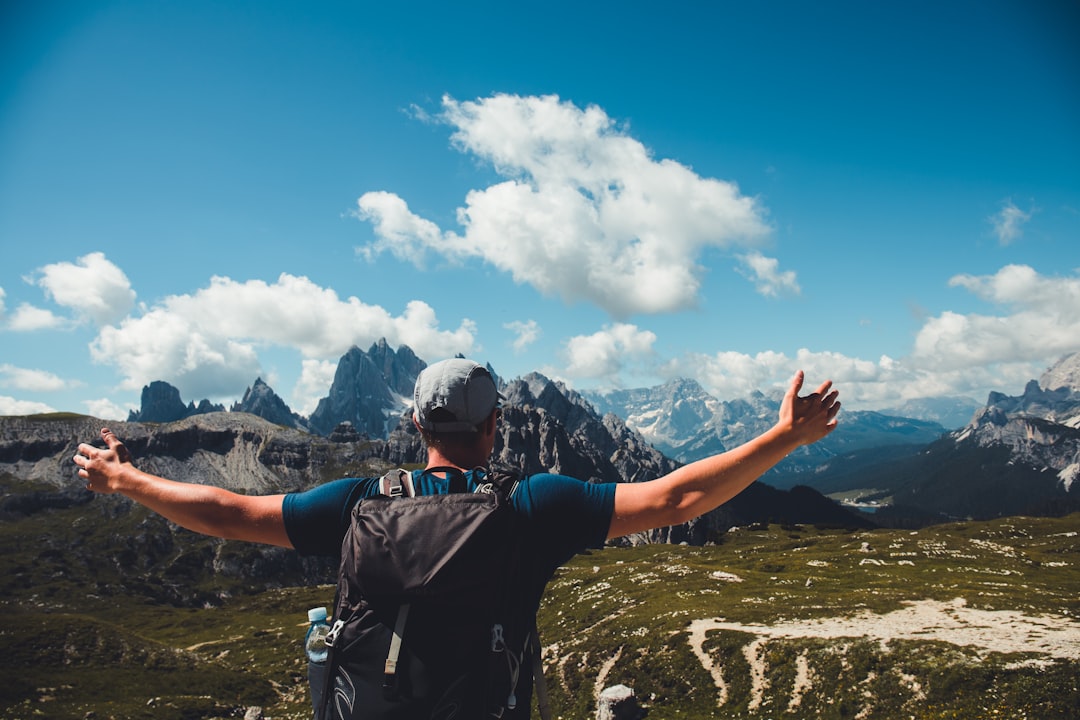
point(1065, 374)
point(370, 390)
point(261, 400)
point(160, 402)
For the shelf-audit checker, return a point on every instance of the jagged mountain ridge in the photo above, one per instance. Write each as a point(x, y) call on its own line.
point(871, 451)
point(262, 401)
point(371, 390)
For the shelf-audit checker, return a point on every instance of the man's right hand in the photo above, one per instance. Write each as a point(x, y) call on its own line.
point(101, 467)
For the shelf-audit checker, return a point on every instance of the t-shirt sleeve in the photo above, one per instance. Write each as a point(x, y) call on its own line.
point(566, 515)
point(316, 520)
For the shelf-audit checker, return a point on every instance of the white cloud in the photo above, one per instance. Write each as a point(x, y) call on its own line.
point(28, 318)
point(29, 379)
point(316, 376)
point(207, 343)
point(405, 235)
point(1042, 320)
point(863, 384)
point(585, 213)
point(92, 287)
point(766, 276)
point(3, 309)
point(11, 406)
point(953, 354)
point(607, 352)
point(527, 332)
point(1009, 222)
point(105, 409)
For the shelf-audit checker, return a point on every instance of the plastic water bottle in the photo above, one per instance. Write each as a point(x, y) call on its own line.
point(316, 651)
point(315, 640)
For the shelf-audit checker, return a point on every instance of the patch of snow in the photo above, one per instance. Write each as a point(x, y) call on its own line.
point(1069, 475)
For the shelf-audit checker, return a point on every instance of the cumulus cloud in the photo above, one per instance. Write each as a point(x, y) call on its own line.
point(1009, 222)
point(28, 318)
point(765, 273)
point(526, 333)
point(105, 409)
point(864, 384)
point(953, 354)
point(316, 376)
point(30, 379)
point(607, 352)
point(1041, 319)
point(206, 343)
point(586, 213)
point(11, 406)
point(92, 287)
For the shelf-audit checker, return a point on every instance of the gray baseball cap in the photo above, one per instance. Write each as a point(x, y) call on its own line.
point(454, 395)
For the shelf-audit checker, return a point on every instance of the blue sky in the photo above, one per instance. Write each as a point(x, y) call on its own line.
point(884, 194)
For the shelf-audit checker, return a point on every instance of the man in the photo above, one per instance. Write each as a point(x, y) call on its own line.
point(456, 409)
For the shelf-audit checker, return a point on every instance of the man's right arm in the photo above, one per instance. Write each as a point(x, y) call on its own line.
point(201, 508)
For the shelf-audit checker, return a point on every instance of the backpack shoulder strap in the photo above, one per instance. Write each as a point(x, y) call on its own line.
point(397, 483)
point(499, 481)
point(543, 701)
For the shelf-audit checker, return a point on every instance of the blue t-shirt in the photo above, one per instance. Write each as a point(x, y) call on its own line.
point(562, 516)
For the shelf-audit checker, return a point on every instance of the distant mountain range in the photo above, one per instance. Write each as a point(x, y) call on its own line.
point(1014, 455)
point(1018, 456)
point(686, 423)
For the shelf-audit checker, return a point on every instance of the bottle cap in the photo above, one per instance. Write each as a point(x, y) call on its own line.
point(316, 614)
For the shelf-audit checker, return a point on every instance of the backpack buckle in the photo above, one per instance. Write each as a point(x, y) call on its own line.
point(498, 642)
point(335, 630)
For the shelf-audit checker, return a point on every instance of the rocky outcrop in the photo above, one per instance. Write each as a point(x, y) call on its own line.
point(260, 400)
point(1060, 405)
point(618, 702)
point(160, 402)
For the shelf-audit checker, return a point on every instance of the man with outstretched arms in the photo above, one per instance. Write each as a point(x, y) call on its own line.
point(457, 410)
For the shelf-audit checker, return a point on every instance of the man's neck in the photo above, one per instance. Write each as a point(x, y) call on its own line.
point(465, 460)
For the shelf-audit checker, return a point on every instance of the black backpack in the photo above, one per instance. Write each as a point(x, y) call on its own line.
point(430, 619)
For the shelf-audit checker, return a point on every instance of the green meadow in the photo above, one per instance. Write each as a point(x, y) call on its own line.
point(970, 620)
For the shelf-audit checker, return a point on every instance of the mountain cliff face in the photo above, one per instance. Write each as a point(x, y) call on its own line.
point(120, 546)
point(370, 390)
point(1040, 428)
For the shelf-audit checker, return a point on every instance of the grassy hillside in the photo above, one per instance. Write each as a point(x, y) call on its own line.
point(974, 620)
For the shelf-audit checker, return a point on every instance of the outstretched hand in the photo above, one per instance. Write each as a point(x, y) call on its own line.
point(811, 417)
point(101, 466)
